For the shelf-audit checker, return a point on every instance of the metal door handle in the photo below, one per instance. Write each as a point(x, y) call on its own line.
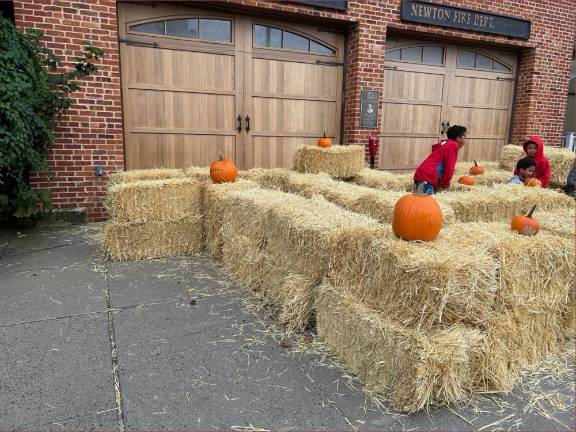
point(239, 120)
point(247, 124)
point(443, 129)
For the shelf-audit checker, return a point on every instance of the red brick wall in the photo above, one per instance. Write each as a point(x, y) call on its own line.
point(91, 132)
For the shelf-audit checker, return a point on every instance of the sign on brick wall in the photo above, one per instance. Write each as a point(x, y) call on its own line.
point(369, 109)
point(448, 16)
point(329, 4)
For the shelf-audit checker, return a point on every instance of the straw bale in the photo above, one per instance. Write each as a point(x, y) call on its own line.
point(463, 168)
point(417, 284)
point(154, 200)
point(340, 161)
point(561, 222)
point(145, 174)
point(378, 204)
point(561, 161)
point(278, 244)
point(489, 178)
point(213, 213)
point(532, 303)
point(153, 239)
point(199, 173)
point(501, 202)
point(411, 367)
point(384, 180)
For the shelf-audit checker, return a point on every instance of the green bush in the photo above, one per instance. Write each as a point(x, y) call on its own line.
point(33, 94)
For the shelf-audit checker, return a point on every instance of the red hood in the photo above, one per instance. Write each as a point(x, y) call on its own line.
point(536, 140)
point(438, 145)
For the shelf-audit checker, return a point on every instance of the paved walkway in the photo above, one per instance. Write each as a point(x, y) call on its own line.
point(174, 345)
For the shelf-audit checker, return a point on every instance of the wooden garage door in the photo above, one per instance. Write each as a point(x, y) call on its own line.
point(197, 84)
point(430, 86)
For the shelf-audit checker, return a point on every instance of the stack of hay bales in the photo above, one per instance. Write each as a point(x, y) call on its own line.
point(337, 161)
point(422, 322)
point(561, 222)
point(561, 161)
point(154, 218)
point(279, 245)
point(378, 204)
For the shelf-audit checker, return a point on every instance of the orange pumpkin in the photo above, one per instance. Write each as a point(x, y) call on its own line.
point(476, 170)
point(533, 182)
point(467, 180)
point(325, 142)
point(526, 225)
point(223, 170)
point(417, 217)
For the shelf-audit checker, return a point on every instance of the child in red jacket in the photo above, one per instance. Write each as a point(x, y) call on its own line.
point(534, 149)
point(438, 168)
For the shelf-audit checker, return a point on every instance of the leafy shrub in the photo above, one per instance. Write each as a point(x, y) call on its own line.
point(33, 94)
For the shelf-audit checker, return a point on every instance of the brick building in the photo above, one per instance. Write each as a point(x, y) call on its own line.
point(184, 81)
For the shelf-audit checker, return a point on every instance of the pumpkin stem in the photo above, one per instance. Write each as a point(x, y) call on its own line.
point(529, 214)
point(324, 134)
point(475, 163)
point(220, 157)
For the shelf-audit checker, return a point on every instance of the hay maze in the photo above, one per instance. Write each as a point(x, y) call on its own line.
point(419, 323)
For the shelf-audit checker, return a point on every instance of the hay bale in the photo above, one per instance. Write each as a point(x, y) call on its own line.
point(154, 200)
point(501, 202)
point(279, 244)
point(489, 178)
point(153, 239)
point(384, 180)
point(144, 174)
point(463, 168)
point(417, 284)
point(340, 161)
point(411, 367)
point(535, 285)
point(378, 204)
point(198, 173)
point(561, 222)
point(561, 161)
point(213, 212)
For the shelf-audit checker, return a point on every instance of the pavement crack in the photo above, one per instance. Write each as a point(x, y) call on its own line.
point(42, 249)
point(105, 311)
point(114, 353)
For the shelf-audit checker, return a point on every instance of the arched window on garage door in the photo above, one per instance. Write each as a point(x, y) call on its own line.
point(273, 37)
point(468, 59)
point(206, 29)
point(432, 55)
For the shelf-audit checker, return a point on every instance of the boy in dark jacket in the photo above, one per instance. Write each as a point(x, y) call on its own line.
point(437, 169)
point(525, 169)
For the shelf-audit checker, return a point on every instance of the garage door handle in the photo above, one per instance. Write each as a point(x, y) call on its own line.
point(391, 67)
point(443, 129)
point(247, 124)
point(135, 42)
point(504, 79)
point(329, 63)
point(239, 120)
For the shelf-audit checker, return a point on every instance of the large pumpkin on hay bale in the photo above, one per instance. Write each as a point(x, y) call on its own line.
point(476, 169)
point(417, 217)
point(467, 180)
point(325, 142)
point(526, 224)
point(533, 182)
point(223, 170)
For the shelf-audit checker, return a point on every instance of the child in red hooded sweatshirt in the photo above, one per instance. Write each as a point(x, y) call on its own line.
point(438, 168)
point(534, 149)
